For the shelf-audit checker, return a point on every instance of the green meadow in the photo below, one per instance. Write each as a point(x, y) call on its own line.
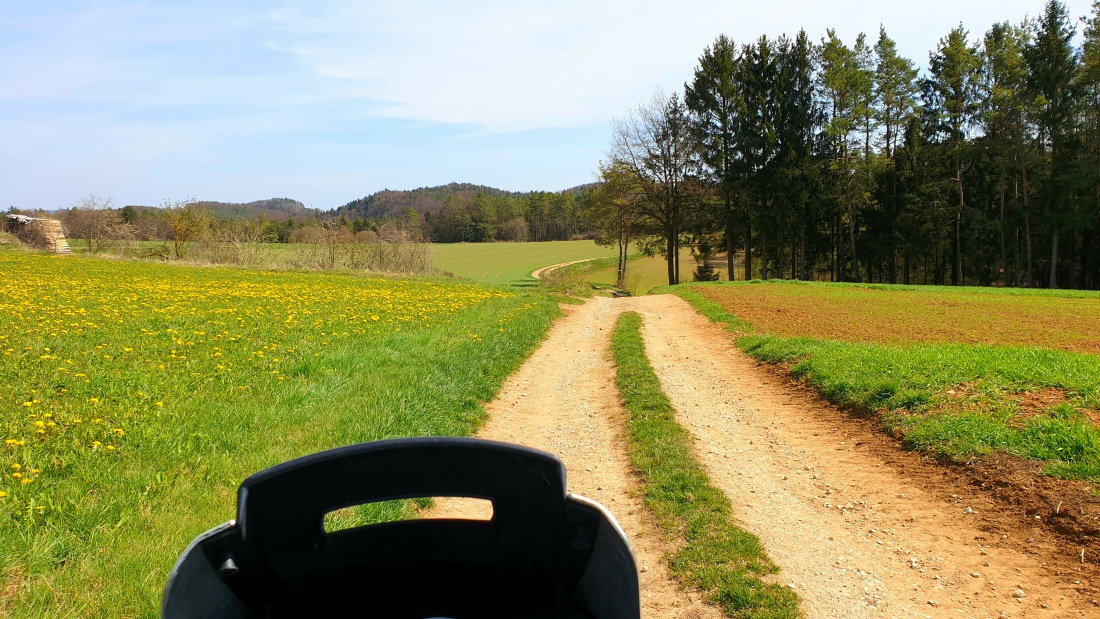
point(139, 395)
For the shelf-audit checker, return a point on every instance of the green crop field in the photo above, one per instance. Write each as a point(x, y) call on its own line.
point(138, 395)
point(511, 264)
point(956, 373)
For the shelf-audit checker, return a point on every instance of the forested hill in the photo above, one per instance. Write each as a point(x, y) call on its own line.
point(271, 207)
point(391, 203)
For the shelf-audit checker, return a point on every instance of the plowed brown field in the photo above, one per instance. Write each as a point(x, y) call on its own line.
point(863, 314)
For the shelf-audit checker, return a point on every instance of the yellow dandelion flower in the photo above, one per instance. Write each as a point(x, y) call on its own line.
point(3, 494)
point(16, 467)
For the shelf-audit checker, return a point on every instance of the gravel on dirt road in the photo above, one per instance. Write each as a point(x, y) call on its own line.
point(855, 531)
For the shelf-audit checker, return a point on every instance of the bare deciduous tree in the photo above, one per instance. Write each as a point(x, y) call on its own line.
point(654, 143)
point(94, 220)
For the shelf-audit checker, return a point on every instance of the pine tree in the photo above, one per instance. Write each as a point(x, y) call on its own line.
point(1004, 78)
point(954, 68)
point(714, 99)
point(1088, 80)
point(896, 90)
point(1052, 66)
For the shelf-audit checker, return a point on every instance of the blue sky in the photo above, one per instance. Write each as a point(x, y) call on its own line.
point(326, 102)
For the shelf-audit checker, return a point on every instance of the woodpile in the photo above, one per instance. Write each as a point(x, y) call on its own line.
point(44, 233)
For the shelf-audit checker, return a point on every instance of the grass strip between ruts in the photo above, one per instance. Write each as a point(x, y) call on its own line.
point(715, 556)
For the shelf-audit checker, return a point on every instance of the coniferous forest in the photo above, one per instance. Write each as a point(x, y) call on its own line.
point(819, 159)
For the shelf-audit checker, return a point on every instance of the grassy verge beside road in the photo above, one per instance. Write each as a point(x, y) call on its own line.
point(956, 374)
point(715, 555)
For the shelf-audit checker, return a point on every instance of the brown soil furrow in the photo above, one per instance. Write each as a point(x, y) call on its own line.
point(563, 400)
point(858, 528)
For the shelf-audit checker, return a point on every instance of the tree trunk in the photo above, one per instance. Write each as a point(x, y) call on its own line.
point(958, 227)
point(834, 252)
point(852, 235)
point(905, 258)
point(763, 255)
point(780, 258)
point(1004, 251)
point(730, 252)
point(1086, 260)
point(670, 253)
point(1053, 282)
point(748, 249)
point(802, 274)
point(1027, 240)
point(1027, 228)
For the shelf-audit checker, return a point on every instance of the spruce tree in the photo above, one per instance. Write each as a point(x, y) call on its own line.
point(714, 99)
point(1052, 66)
point(954, 68)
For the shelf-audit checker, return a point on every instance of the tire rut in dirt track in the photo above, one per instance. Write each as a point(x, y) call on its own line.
point(563, 400)
point(858, 529)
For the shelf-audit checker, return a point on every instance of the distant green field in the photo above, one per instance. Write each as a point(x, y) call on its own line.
point(955, 373)
point(496, 264)
point(510, 264)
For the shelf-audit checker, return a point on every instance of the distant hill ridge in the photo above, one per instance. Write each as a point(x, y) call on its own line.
point(378, 205)
point(244, 210)
point(279, 206)
point(394, 203)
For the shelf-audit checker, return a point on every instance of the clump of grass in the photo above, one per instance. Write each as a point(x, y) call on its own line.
point(716, 557)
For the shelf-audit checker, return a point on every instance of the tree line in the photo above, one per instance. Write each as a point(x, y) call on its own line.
point(534, 216)
point(822, 160)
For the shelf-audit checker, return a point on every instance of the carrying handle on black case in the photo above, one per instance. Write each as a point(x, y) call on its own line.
point(281, 509)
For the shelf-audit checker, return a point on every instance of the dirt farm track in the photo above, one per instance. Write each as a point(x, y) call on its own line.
point(858, 527)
